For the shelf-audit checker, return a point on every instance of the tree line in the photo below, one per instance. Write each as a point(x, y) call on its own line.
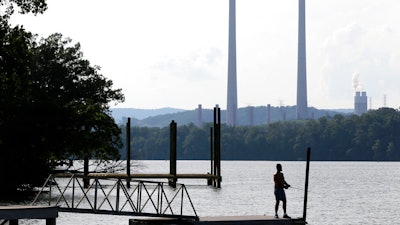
point(372, 136)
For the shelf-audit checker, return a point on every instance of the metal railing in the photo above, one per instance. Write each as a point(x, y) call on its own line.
point(109, 195)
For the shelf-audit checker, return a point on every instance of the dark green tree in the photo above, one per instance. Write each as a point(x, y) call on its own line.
point(24, 6)
point(54, 104)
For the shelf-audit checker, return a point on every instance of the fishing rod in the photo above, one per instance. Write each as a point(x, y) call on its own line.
point(301, 189)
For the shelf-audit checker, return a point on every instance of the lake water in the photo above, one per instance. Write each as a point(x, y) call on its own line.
point(339, 192)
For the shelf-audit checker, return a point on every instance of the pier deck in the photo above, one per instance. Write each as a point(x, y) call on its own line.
point(220, 220)
point(17, 212)
point(170, 177)
point(155, 176)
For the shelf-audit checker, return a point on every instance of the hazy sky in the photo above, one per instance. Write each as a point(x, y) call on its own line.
point(173, 53)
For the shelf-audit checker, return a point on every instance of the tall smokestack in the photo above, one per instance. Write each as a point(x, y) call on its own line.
point(301, 107)
point(199, 116)
point(231, 107)
point(268, 113)
point(251, 115)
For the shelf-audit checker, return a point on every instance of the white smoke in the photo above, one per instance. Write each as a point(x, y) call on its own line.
point(356, 84)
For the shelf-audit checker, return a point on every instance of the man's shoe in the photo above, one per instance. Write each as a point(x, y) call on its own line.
point(286, 216)
point(276, 216)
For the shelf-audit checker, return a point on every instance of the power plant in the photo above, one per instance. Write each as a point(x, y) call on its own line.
point(199, 115)
point(360, 102)
point(360, 99)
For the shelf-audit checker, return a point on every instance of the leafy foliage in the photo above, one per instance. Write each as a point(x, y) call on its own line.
point(371, 136)
point(25, 6)
point(54, 105)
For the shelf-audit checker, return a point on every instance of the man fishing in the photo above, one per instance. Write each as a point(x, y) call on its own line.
point(280, 185)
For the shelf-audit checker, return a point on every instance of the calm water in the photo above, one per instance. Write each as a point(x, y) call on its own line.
point(339, 192)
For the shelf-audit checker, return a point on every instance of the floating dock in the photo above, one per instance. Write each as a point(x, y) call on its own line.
point(221, 220)
point(17, 212)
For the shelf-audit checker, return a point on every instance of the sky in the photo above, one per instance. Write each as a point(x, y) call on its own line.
point(174, 53)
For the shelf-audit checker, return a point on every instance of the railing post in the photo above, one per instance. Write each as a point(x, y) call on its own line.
point(182, 187)
point(139, 199)
point(117, 197)
point(161, 197)
point(73, 191)
point(158, 198)
point(52, 180)
point(95, 194)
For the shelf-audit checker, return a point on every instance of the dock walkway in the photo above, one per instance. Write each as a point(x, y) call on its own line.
point(17, 212)
point(220, 220)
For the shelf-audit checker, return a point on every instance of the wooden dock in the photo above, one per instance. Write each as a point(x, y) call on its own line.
point(17, 212)
point(170, 177)
point(222, 220)
point(153, 176)
point(213, 177)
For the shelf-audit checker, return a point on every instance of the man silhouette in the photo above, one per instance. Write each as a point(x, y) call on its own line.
point(280, 185)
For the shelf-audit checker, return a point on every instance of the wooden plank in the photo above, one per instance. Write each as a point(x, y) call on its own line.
point(149, 175)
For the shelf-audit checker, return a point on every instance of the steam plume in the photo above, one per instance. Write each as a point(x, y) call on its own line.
point(356, 84)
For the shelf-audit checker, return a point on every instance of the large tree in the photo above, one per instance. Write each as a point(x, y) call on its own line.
point(53, 105)
point(24, 6)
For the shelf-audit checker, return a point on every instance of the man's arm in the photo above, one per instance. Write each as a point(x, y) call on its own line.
point(286, 185)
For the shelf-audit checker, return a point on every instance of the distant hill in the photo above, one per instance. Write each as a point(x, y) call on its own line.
point(163, 117)
point(119, 113)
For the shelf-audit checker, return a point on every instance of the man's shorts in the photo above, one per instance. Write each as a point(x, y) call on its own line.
point(280, 194)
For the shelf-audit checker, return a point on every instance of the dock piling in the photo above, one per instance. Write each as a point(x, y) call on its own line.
point(217, 146)
point(306, 184)
point(172, 154)
point(128, 152)
point(209, 181)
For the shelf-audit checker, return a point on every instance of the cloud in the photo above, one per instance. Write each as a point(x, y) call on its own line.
point(358, 49)
point(197, 65)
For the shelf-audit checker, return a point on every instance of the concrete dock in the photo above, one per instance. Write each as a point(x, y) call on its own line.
point(220, 220)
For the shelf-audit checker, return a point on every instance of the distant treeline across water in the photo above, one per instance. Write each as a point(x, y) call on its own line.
point(372, 136)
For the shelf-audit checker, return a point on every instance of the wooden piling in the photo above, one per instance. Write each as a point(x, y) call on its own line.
point(210, 182)
point(215, 150)
point(128, 151)
point(86, 180)
point(217, 146)
point(306, 184)
point(172, 154)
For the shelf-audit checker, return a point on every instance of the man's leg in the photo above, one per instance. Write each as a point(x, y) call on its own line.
point(284, 206)
point(276, 207)
point(284, 210)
